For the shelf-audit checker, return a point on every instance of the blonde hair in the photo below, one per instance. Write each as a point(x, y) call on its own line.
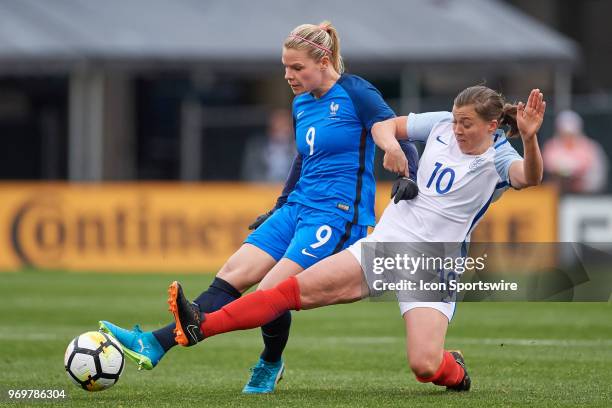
point(319, 40)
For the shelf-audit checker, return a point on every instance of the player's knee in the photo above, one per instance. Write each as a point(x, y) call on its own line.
point(228, 269)
point(312, 299)
point(331, 296)
point(236, 273)
point(348, 293)
point(320, 294)
point(424, 367)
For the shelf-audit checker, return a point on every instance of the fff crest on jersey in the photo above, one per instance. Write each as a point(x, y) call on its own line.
point(477, 162)
point(333, 108)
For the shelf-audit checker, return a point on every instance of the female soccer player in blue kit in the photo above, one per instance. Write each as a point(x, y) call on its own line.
point(326, 205)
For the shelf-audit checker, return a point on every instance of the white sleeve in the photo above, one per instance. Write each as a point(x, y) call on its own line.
point(419, 125)
point(505, 155)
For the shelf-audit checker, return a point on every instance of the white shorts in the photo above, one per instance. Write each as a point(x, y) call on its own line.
point(389, 229)
point(447, 309)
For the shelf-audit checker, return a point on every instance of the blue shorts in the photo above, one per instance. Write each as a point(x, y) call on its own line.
point(304, 234)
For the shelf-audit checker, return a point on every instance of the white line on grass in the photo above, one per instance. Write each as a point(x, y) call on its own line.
point(483, 341)
point(371, 340)
point(535, 342)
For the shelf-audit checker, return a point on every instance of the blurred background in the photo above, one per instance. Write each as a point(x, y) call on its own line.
point(146, 135)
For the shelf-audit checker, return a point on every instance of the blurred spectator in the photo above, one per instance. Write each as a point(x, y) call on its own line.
point(573, 160)
point(268, 157)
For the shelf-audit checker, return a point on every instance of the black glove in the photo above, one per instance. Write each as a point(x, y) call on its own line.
point(404, 189)
point(260, 220)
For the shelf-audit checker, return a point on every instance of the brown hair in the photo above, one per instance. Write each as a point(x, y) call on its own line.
point(319, 40)
point(490, 105)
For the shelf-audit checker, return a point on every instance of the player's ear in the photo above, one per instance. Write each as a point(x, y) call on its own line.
point(493, 125)
point(324, 62)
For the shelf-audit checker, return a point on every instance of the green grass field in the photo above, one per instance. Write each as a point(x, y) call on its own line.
point(518, 354)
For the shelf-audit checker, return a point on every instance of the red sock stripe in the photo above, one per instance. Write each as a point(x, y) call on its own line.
point(449, 373)
point(438, 373)
point(254, 309)
point(292, 289)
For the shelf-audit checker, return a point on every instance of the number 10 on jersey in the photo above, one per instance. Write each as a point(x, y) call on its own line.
point(441, 178)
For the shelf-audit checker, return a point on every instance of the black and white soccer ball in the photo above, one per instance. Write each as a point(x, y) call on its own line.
point(94, 361)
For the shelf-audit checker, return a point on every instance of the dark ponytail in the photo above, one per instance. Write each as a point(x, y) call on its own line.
point(508, 120)
point(490, 105)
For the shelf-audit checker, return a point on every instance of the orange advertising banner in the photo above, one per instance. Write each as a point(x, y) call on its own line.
point(186, 227)
point(127, 227)
point(529, 215)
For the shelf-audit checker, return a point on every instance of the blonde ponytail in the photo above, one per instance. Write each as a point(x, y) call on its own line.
point(318, 40)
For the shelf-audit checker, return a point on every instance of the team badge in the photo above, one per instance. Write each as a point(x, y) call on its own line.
point(333, 108)
point(476, 163)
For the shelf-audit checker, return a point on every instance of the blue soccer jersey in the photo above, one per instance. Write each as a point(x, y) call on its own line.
point(333, 137)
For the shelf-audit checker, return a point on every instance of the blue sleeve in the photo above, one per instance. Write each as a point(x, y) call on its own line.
point(294, 172)
point(412, 155)
point(292, 179)
point(419, 125)
point(505, 155)
point(368, 101)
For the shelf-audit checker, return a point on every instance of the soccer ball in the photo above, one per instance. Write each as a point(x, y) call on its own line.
point(94, 361)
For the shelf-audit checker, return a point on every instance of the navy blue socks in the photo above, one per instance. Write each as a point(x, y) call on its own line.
point(218, 294)
point(275, 335)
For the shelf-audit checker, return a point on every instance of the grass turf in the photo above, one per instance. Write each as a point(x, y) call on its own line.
point(536, 354)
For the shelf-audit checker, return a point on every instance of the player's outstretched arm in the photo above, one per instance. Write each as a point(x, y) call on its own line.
point(529, 117)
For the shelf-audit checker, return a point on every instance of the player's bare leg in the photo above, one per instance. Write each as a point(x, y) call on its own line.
point(334, 280)
point(246, 267)
point(284, 269)
point(425, 333)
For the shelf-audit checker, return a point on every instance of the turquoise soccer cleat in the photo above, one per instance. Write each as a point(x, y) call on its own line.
point(264, 377)
point(140, 347)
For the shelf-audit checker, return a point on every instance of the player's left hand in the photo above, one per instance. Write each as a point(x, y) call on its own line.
point(529, 116)
point(404, 189)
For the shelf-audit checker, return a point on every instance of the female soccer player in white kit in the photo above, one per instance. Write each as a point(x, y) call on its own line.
point(467, 163)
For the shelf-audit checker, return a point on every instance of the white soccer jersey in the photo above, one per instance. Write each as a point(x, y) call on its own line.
point(455, 189)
